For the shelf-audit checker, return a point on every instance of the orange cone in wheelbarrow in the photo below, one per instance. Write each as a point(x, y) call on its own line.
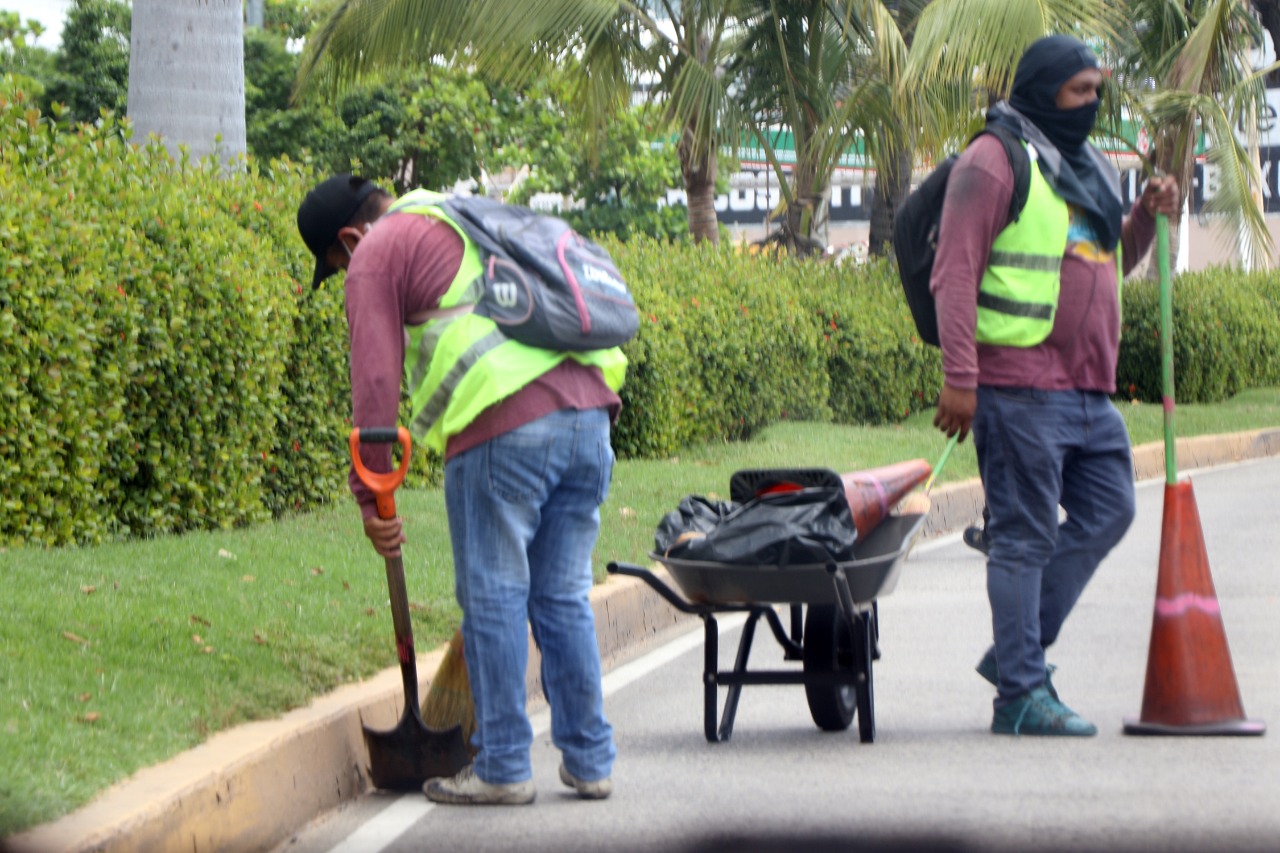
point(873, 493)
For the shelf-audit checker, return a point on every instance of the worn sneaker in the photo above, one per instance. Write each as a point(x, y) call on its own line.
point(468, 789)
point(987, 669)
point(977, 539)
point(597, 790)
point(1038, 713)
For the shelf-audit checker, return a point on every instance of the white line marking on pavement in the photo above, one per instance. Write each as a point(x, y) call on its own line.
point(388, 825)
point(395, 820)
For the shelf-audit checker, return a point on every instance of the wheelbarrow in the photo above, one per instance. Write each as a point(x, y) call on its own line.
point(834, 621)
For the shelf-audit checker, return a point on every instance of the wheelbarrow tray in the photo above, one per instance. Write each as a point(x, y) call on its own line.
point(871, 574)
point(836, 601)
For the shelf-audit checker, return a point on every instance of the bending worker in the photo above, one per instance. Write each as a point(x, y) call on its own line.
point(525, 437)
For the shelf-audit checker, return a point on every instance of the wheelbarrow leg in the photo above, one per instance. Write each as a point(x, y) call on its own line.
point(710, 664)
point(711, 676)
point(739, 667)
point(864, 650)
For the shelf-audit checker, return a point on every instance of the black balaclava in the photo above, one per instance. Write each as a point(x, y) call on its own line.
point(1046, 65)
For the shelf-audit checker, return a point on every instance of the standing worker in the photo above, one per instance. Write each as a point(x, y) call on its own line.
point(525, 437)
point(1029, 321)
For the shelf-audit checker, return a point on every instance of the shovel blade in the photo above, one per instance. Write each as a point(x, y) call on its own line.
point(405, 757)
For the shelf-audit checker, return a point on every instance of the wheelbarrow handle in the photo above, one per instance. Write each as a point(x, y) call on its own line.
point(383, 485)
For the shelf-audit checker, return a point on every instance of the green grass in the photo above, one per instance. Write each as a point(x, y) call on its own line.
point(117, 657)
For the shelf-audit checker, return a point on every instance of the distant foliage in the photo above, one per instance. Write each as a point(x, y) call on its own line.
point(731, 341)
point(163, 370)
point(165, 366)
point(1226, 336)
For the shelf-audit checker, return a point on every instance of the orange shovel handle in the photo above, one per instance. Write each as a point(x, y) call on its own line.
point(383, 486)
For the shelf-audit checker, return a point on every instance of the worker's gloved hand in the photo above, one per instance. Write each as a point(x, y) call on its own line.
point(386, 534)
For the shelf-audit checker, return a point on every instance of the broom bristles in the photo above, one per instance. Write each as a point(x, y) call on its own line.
point(916, 503)
point(449, 701)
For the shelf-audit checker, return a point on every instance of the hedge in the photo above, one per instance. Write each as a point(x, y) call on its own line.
point(165, 366)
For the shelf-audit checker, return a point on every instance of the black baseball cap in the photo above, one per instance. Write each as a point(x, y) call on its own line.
point(325, 211)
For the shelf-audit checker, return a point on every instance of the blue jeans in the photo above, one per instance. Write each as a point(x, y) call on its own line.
point(523, 517)
point(1038, 450)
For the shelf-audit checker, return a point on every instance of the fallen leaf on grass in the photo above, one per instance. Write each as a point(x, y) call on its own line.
point(346, 586)
point(627, 512)
point(414, 607)
point(91, 717)
point(197, 639)
point(369, 611)
point(225, 554)
point(248, 578)
point(75, 638)
point(199, 620)
point(85, 697)
point(316, 570)
point(259, 639)
point(88, 590)
point(208, 650)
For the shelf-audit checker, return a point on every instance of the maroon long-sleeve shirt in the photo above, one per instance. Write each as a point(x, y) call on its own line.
point(1081, 351)
point(401, 269)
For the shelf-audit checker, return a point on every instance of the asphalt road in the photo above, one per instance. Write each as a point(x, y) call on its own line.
point(935, 778)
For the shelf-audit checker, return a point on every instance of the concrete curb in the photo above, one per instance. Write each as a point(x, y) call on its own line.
point(249, 788)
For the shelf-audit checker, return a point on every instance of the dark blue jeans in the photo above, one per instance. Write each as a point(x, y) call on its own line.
point(1038, 450)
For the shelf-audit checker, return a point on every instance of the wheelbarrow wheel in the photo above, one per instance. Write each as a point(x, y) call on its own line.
point(828, 647)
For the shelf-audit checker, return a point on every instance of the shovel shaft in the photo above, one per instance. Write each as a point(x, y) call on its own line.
point(383, 486)
point(406, 756)
point(403, 628)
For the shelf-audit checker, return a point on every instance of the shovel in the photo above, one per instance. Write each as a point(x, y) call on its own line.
point(407, 756)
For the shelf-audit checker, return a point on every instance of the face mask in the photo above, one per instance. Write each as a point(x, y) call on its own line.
point(1073, 127)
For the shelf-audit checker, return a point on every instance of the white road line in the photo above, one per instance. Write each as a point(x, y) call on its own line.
point(381, 831)
point(387, 826)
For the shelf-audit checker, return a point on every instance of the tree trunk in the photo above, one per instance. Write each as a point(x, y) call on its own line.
point(893, 182)
point(186, 75)
point(699, 173)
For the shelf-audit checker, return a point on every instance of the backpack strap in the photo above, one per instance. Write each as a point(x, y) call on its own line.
point(1019, 160)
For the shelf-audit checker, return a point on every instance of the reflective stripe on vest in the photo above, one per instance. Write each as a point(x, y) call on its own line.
point(458, 364)
point(1018, 296)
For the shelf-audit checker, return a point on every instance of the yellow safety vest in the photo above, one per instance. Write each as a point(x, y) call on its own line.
point(458, 363)
point(1018, 296)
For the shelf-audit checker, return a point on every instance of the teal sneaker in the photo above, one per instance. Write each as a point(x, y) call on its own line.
point(1038, 713)
point(987, 669)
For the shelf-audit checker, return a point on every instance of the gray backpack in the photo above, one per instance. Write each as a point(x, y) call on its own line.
point(544, 284)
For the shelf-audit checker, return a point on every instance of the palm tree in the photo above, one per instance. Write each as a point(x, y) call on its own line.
point(817, 71)
point(678, 47)
point(186, 74)
point(1199, 55)
point(1195, 52)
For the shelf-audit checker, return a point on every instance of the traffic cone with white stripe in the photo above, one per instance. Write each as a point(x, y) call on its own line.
point(1191, 685)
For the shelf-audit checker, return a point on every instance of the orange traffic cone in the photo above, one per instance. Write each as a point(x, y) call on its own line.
point(874, 492)
point(1191, 685)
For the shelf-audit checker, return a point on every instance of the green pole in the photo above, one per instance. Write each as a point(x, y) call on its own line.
point(937, 469)
point(1166, 347)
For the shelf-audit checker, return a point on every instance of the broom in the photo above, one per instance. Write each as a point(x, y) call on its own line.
point(449, 701)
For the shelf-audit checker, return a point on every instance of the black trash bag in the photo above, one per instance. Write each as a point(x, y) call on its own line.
point(695, 516)
point(781, 529)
